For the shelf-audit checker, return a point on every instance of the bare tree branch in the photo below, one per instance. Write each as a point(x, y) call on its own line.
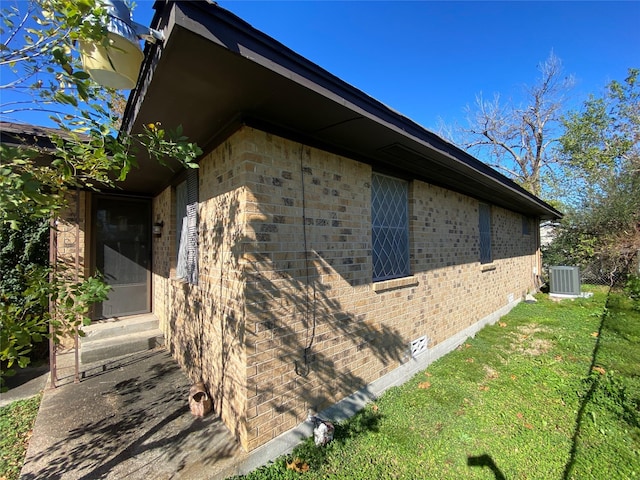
point(519, 140)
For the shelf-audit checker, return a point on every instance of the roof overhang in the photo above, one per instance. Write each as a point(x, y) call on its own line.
point(215, 72)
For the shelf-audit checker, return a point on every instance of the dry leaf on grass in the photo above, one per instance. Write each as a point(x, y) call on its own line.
point(595, 334)
point(298, 465)
point(502, 324)
point(526, 424)
point(424, 385)
point(600, 370)
point(469, 360)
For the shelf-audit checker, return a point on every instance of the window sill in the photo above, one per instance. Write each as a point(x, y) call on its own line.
point(488, 267)
point(395, 283)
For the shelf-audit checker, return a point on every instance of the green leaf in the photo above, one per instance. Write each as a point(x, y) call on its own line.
point(66, 99)
point(23, 362)
point(81, 75)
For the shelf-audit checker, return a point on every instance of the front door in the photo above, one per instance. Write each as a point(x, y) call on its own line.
point(122, 246)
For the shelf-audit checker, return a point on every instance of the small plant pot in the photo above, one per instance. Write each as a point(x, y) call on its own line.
point(199, 400)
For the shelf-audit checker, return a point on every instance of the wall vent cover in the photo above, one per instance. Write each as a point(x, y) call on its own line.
point(418, 346)
point(564, 280)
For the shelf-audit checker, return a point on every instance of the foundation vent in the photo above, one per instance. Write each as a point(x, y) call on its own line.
point(418, 346)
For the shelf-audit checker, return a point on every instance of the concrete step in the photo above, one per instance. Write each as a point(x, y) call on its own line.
point(113, 338)
point(108, 348)
point(115, 327)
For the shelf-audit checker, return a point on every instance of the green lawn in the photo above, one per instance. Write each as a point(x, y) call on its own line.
point(552, 391)
point(16, 424)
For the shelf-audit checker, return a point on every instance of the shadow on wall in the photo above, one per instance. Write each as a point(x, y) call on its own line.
point(316, 346)
point(272, 327)
point(304, 350)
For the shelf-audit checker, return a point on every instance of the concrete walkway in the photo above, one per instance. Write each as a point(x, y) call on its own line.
point(26, 383)
point(126, 419)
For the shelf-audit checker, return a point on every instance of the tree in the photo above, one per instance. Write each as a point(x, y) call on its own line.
point(602, 141)
point(42, 73)
point(600, 154)
point(518, 140)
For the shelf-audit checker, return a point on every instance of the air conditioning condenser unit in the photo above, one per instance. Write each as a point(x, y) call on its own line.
point(564, 281)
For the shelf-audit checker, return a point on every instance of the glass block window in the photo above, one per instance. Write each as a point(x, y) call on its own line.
point(390, 227)
point(187, 228)
point(485, 233)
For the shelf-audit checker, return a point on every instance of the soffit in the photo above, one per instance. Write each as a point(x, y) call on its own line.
point(215, 72)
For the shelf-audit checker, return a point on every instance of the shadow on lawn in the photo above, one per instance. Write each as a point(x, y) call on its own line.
point(586, 399)
point(486, 461)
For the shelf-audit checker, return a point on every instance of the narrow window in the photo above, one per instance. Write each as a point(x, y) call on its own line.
point(187, 228)
point(485, 233)
point(526, 229)
point(390, 227)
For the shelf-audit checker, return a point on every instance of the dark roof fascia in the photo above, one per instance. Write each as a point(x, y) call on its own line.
point(150, 59)
point(231, 32)
point(280, 58)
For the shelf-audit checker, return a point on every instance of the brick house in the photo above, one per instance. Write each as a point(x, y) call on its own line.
point(327, 244)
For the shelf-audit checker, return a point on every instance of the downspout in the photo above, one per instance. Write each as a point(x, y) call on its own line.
point(538, 273)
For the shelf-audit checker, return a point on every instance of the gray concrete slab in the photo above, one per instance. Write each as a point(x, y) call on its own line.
point(128, 418)
point(26, 383)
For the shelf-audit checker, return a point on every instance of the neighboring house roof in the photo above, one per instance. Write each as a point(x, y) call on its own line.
point(215, 72)
point(12, 133)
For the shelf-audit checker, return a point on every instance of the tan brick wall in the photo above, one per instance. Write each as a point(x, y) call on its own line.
point(162, 254)
point(295, 300)
point(71, 240)
point(203, 323)
point(71, 237)
point(285, 310)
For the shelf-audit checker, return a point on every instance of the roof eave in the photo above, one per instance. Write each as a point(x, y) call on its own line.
point(186, 23)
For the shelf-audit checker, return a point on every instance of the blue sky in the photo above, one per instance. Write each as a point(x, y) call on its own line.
point(429, 59)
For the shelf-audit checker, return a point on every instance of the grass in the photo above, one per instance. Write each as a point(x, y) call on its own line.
point(16, 425)
point(552, 391)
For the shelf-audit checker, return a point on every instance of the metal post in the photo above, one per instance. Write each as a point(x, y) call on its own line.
point(77, 277)
point(53, 259)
